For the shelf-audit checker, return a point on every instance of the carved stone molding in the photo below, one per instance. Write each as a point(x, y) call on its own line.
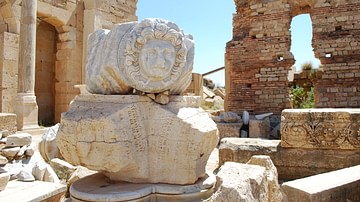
point(321, 128)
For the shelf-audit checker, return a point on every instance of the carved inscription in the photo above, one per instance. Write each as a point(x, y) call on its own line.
point(139, 137)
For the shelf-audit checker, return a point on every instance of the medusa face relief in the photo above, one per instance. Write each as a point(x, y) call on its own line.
point(157, 58)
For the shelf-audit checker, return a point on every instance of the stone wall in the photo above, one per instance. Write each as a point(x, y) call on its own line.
point(71, 22)
point(9, 48)
point(258, 57)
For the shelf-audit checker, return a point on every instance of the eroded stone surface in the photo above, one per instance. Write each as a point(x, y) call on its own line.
point(152, 56)
point(241, 182)
point(131, 138)
point(291, 163)
point(321, 128)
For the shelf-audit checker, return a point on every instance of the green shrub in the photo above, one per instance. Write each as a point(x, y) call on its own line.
point(302, 99)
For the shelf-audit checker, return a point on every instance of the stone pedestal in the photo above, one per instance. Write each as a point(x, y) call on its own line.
point(131, 138)
point(26, 111)
point(98, 188)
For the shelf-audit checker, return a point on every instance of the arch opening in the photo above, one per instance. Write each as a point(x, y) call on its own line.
point(301, 42)
point(45, 72)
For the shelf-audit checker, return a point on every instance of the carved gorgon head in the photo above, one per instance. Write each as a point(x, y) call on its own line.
point(155, 54)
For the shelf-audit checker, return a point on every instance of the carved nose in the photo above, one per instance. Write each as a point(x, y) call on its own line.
point(160, 61)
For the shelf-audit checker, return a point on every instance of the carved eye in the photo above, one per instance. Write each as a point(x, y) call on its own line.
point(151, 53)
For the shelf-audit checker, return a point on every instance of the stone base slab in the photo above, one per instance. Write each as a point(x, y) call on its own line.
point(291, 163)
point(27, 112)
point(98, 188)
point(321, 128)
point(340, 185)
point(32, 191)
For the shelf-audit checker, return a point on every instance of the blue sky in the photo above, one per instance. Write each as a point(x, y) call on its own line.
point(210, 23)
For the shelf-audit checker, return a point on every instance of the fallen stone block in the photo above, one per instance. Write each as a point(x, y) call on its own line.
point(291, 163)
point(18, 140)
point(339, 185)
point(241, 182)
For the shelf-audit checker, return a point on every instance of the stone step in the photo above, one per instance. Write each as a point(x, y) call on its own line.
point(32, 191)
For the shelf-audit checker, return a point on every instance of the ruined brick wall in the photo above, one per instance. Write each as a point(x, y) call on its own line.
point(258, 57)
point(336, 42)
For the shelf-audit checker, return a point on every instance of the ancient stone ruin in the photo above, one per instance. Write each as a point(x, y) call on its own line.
point(258, 58)
point(135, 137)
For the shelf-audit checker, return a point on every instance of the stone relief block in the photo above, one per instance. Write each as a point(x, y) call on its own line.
point(151, 56)
point(131, 138)
point(321, 128)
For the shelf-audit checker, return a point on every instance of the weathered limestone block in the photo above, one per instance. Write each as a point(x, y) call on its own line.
point(271, 175)
point(8, 122)
point(241, 182)
point(63, 169)
point(229, 129)
point(18, 140)
point(152, 56)
point(131, 138)
point(339, 185)
point(291, 163)
point(321, 128)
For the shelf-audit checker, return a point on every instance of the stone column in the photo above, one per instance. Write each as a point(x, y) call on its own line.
point(26, 106)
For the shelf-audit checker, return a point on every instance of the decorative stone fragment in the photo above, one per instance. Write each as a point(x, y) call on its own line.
point(47, 146)
point(4, 179)
point(44, 172)
point(25, 176)
point(141, 140)
point(152, 56)
point(321, 128)
point(18, 140)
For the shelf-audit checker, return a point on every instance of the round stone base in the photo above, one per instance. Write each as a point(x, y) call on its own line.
point(98, 187)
